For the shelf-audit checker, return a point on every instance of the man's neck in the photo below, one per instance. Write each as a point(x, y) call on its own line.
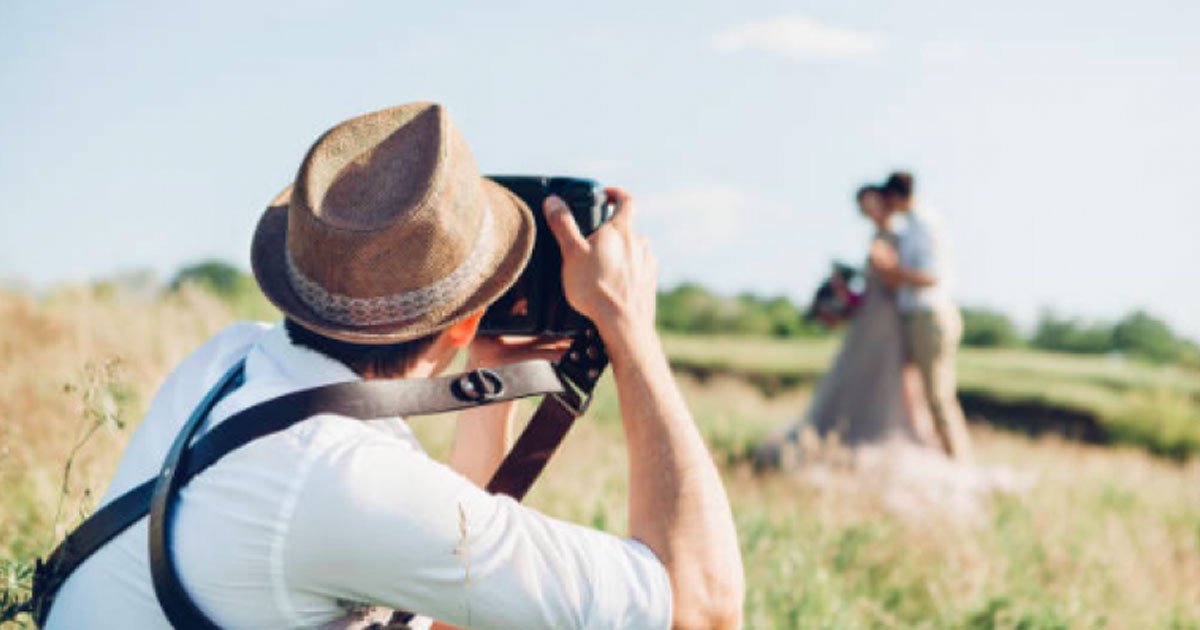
point(424, 367)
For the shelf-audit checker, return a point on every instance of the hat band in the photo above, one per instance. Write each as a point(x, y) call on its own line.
point(397, 307)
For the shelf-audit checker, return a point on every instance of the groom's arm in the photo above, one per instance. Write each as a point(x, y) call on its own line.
point(914, 277)
point(921, 269)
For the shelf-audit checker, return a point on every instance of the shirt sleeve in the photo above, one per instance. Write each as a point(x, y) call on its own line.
point(927, 249)
point(379, 522)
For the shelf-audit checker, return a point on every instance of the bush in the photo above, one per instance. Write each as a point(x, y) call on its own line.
point(988, 329)
point(1141, 335)
point(692, 309)
point(1138, 335)
point(1072, 335)
point(689, 308)
point(233, 286)
point(221, 278)
point(1189, 354)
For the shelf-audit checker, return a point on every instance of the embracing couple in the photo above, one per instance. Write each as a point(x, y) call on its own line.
point(894, 377)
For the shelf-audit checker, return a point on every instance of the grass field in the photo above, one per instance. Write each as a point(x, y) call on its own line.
point(1150, 406)
point(1108, 536)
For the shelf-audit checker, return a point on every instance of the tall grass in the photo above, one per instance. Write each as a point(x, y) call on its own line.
point(78, 366)
point(1108, 537)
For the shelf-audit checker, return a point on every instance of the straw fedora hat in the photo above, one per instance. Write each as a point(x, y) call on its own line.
point(389, 232)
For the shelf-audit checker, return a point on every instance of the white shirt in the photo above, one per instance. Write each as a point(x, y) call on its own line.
point(924, 247)
point(336, 520)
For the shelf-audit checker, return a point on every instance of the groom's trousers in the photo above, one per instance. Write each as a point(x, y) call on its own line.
point(931, 342)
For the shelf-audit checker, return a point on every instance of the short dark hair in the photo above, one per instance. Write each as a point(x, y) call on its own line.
point(867, 190)
point(382, 361)
point(899, 184)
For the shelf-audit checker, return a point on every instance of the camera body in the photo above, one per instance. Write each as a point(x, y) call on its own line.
point(536, 305)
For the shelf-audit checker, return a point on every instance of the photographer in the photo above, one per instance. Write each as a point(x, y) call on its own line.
point(383, 256)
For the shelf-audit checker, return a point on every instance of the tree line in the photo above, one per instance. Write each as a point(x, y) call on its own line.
point(690, 308)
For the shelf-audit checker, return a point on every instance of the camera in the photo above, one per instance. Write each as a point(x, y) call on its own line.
point(536, 304)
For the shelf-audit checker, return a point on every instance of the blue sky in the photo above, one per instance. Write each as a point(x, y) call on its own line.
point(1060, 142)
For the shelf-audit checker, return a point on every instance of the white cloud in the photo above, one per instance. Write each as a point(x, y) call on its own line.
point(800, 37)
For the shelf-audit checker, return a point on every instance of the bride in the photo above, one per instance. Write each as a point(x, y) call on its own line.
point(868, 396)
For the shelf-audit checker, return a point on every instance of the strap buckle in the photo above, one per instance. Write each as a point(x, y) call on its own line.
point(478, 386)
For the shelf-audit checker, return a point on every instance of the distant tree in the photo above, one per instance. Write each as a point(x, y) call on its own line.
point(690, 308)
point(687, 308)
point(220, 277)
point(750, 316)
point(1072, 335)
point(786, 319)
point(1142, 335)
point(233, 286)
point(1138, 334)
point(988, 329)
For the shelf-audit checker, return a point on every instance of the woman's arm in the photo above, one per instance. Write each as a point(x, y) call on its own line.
point(882, 256)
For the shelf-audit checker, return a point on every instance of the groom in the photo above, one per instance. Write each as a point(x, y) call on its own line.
point(932, 324)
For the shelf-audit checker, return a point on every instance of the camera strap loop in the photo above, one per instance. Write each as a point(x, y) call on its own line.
point(566, 386)
point(579, 369)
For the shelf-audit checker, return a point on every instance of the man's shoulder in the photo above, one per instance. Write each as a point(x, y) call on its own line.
point(331, 432)
point(242, 332)
point(234, 340)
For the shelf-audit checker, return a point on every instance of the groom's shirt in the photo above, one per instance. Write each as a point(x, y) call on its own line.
point(335, 521)
point(923, 247)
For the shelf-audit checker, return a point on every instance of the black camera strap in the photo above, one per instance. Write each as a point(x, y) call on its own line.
point(566, 384)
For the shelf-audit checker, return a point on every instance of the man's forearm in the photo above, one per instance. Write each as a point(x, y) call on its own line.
point(482, 437)
point(677, 504)
point(911, 277)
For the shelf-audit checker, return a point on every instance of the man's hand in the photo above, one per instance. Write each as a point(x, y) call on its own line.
point(611, 276)
point(896, 276)
point(505, 349)
point(677, 505)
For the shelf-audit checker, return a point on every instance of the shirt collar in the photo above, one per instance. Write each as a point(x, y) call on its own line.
point(299, 365)
point(276, 366)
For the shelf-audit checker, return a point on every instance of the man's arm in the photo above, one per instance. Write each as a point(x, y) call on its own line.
point(677, 504)
point(484, 435)
point(921, 270)
point(897, 276)
point(376, 521)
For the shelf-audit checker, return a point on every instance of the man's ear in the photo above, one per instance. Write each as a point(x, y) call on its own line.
point(461, 334)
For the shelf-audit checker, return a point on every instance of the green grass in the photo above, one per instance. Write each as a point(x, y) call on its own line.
point(1105, 539)
point(1149, 406)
